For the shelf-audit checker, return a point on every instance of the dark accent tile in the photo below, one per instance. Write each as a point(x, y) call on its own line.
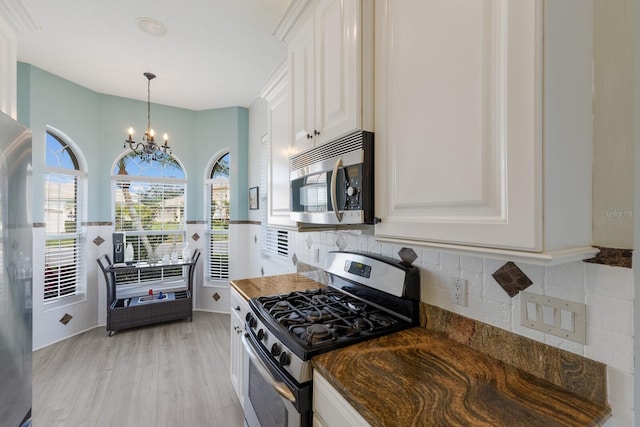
point(309, 241)
point(294, 259)
point(255, 238)
point(262, 271)
point(98, 241)
point(407, 255)
point(613, 257)
point(216, 296)
point(341, 243)
point(195, 237)
point(66, 319)
point(512, 279)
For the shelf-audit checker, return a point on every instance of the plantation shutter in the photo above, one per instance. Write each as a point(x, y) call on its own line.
point(64, 254)
point(274, 242)
point(218, 186)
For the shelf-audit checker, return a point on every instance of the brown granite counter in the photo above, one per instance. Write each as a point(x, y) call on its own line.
point(274, 285)
point(420, 378)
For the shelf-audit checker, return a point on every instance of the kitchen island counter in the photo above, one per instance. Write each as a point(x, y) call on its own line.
point(420, 378)
point(274, 285)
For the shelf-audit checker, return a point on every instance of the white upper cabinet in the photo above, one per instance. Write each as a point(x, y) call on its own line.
point(483, 133)
point(278, 140)
point(330, 66)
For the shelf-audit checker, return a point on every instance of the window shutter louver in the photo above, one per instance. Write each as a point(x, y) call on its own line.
point(218, 191)
point(274, 242)
point(64, 249)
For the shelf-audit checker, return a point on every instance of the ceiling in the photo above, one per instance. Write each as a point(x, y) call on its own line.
point(217, 53)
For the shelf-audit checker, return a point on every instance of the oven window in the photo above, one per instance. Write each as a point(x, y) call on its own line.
point(266, 402)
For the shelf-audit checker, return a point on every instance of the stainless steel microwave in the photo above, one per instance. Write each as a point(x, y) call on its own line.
point(332, 184)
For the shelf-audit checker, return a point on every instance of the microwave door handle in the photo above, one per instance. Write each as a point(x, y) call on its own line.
point(279, 386)
point(334, 190)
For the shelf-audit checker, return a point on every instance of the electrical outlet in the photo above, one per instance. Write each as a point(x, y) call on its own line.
point(458, 291)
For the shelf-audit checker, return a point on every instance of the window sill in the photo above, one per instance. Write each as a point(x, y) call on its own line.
point(64, 302)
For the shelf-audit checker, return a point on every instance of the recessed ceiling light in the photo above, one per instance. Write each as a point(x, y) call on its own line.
point(152, 27)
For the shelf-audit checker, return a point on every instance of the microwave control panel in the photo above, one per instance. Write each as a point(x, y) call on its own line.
point(352, 187)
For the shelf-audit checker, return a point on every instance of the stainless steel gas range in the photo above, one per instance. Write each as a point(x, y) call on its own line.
point(368, 296)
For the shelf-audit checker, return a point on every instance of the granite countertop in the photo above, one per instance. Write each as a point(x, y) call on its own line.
point(419, 378)
point(274, 285)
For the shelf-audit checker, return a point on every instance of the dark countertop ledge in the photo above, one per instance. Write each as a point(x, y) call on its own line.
point(419, 378)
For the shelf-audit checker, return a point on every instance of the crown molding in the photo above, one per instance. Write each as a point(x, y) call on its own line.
point(289, 18)
point(17, 16)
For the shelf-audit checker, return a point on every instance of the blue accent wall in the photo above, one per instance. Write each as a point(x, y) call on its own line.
point(98, 124)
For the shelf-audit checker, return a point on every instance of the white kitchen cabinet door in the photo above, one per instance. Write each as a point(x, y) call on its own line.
point(330, 59)
point(276, 94)
point(239, 309)
point(459, 116)
point(301, 55)
point(330, 409)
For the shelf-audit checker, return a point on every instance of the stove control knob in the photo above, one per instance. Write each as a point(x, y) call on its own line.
point(276, 349)
point(252, 321)
point(248, 317)
point(260, 334)
point(285, 359)
point(351, 191)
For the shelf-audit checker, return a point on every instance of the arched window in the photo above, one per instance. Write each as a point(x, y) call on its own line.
point(149, 206)
point(64, 219)
point(218, 192)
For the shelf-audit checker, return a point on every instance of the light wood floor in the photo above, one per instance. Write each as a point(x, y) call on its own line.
point(173, 374)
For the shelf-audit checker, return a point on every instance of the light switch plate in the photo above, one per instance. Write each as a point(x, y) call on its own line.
point(555, 316)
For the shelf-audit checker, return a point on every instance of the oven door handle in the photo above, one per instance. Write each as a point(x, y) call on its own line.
point(334, 189)
point(279, 386)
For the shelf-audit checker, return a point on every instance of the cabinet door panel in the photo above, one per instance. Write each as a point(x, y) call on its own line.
point(455, 117)
point(279, 113)
point(302, 88)
point(338, 69)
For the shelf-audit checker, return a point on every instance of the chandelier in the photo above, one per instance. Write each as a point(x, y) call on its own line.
point(148, 149)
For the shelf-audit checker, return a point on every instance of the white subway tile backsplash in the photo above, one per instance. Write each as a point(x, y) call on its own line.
point(493, 291)
point(610, 314)
point(497, 313)
point(620, 386)
point(489, 265)
point(536, 273)
point(430, 257)
point(450, 261)
point(612, 349)
point(471, 264)
point(616, 282)
point(565, 281)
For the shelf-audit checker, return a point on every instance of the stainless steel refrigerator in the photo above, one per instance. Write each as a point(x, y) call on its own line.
point(15, 277)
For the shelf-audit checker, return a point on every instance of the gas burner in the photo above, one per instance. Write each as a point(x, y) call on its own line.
point(317, 332)
point(281, 305)
point(317, 315)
